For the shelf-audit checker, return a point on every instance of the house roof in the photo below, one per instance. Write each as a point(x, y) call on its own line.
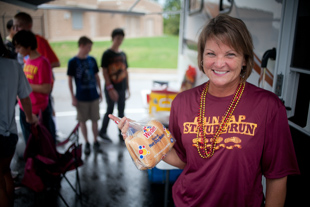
point(30, 4)
point(41, 4)
point(79, 8)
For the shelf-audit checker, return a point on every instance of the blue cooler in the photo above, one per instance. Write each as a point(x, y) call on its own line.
point(159, 176)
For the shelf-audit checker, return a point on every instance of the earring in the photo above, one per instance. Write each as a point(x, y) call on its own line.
point(242, 73)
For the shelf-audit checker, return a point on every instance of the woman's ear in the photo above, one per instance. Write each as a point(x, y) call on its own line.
point(244, 62)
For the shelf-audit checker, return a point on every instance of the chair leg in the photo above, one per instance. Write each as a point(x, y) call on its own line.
point(62, 198)
point(76, 189)
point(78, 184)
point(73, 188)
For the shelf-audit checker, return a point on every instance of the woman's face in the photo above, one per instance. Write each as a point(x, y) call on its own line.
point(222, 64)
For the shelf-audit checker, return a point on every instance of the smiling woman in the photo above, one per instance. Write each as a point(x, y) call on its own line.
point(226, 157)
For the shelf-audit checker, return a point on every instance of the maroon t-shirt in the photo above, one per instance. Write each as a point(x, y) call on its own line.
point(257, 142)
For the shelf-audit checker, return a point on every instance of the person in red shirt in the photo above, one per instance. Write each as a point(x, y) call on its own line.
point(23, 21)
point(39, 74)
point(229, 133)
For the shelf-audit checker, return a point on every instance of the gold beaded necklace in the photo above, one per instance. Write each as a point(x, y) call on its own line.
point(208, 152)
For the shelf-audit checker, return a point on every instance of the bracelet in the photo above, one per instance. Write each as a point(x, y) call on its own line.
point(109, 87)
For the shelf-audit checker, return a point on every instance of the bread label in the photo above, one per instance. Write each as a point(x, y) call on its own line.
point(143, 151)
point(148, 131)
point(156, 139)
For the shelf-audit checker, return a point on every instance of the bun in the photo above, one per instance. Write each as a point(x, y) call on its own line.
point(149, 145)
point(133, 156)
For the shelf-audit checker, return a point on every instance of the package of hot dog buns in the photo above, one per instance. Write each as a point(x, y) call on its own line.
point(148, 143)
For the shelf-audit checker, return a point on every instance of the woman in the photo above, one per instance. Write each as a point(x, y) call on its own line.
point(13, 83)
point(228, 132)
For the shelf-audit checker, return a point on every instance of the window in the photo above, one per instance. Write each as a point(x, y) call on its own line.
point(302, 34)
point(77, 20)
point(195, 6)
point(225, 6)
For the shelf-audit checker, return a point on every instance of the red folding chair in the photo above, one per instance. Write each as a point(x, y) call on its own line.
point(45, 166)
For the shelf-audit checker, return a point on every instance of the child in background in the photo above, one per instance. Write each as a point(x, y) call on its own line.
point(39, 74)
point(114, 69)
point(83, 68)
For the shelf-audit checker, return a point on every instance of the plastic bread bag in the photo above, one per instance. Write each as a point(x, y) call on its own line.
point(148, 142)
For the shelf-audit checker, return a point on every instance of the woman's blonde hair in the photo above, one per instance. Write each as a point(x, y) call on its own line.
point(232, 32)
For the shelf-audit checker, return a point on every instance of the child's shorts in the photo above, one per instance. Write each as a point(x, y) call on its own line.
point(8, 145)
point(88, 110)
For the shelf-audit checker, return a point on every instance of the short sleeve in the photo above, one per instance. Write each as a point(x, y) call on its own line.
point(45, 74)
point(279, 158)
point(96, 69)
point(126, 61)
point(45, 49)
point(71, 67)
point(176, 131)
point(104, 60)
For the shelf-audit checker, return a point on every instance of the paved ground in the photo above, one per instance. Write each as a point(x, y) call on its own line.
point(109, 178)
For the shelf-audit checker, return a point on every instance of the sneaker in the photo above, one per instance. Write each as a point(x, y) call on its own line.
point(97, 147)
point(87, 148)
point(105, 137)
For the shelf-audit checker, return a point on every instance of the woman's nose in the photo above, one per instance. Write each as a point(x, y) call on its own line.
point(219, 62)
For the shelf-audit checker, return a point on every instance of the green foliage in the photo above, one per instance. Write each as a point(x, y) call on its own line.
point(148, 52)
point(172, 21)
point(171, 25)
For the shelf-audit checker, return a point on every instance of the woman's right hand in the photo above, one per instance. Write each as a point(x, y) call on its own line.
point(122, 124)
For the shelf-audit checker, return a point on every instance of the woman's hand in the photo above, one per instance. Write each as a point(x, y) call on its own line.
point(122, 124)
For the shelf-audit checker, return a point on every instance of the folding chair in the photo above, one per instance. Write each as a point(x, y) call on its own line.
point(71, 159)
point(45, 166)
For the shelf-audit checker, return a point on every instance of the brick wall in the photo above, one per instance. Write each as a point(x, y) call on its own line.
point(58, 24)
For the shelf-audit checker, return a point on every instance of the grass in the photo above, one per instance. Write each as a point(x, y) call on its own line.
point(148, 52)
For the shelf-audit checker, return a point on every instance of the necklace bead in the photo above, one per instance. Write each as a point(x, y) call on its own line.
point(203, 149)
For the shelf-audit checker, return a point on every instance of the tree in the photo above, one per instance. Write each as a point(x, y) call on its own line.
point(172, 21)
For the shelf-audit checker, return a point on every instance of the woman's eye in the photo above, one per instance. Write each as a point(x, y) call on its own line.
point(231, 54)
point(210, 53)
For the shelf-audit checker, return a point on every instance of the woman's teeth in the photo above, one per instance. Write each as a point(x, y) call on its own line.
point(219, 72)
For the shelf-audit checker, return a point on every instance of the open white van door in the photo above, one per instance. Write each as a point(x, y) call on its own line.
point(293, 66)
